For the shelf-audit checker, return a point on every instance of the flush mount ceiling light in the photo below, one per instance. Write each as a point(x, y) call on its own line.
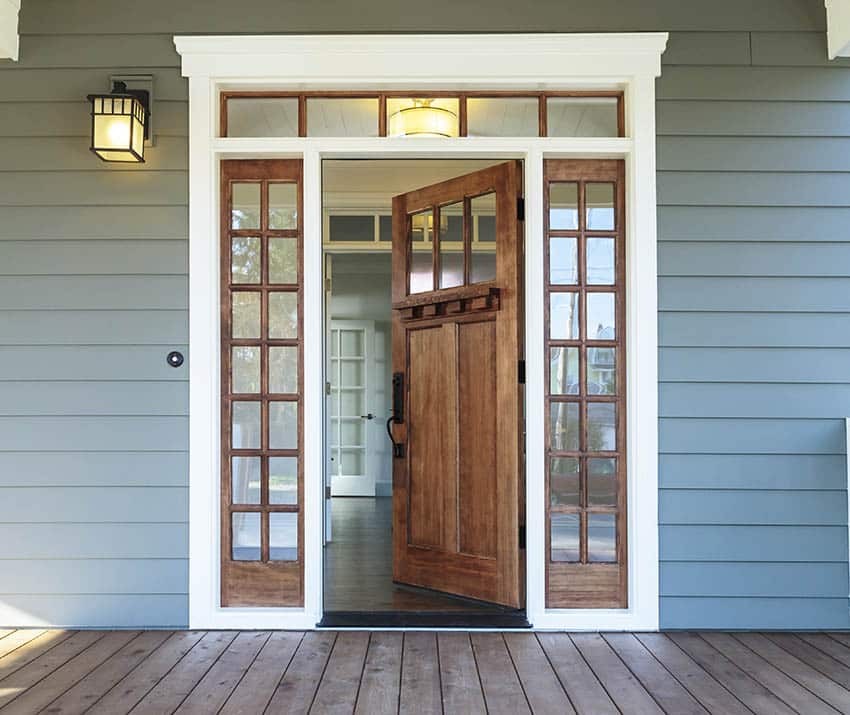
point(120, 123)
point(423, 118)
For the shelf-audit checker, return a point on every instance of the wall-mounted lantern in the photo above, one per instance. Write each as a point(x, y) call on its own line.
point(120, 123)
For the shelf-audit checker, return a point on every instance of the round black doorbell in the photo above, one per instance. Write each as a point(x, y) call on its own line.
point(175, 359)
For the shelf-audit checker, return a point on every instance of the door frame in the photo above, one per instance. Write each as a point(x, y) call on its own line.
point(627, 62)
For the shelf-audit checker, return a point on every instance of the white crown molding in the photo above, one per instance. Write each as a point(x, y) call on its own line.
point(9, 41)
point(838, 28)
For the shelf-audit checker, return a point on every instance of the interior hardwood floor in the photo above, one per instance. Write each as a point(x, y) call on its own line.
point(114, 672)
point(359, 564)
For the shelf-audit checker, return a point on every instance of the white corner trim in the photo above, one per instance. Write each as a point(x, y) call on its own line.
point(838, 28)
point(9, 41)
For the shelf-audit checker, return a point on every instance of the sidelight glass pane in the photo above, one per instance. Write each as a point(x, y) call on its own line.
point(283, 425)
point(563, 206)
point(602, 482)
point(283, 207)
point(245, 480)
point(245, 206)
point(283, 260)
point(245, 425)
point(283, 369)
point(563, 316)
point(563, 260)
point(601, 371)
point(581, 117)
point(245, 322)
point(599, 206)
point(245, 536)
point(262, 117)
point(565, 481)
point(283, 480)
point(342, 117)
point(283, 536)
point(601, 309)
point(564, 538)
point(503, 116)
point(602, 538)
point(483, 256)
point(451, 245)
point(563, 371)
point(245, 259)
point(600, 261)
point(283, 315)
point(564, 426)
point(245, 369)
point(601, 426)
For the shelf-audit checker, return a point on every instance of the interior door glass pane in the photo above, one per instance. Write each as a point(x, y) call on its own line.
point(245, 369)
point(262, 117)
point(602, 538)
point(351, 228)
point(600, 261)
point(563, 206)
point(421, 262)
point(283, 260)
point(245, 425)
point(422, 116)
point(451, 245)
point(245, 209)
point(283, 206)
point(245, 480)
point(351, 373)
point(564, 537)
point(283, 369)
point(602, 482)
point(599, 206)
point(351, 463)
point(245, 259)
point(601, 371)
point(581, 116)
point(283, 480)
point(563, 371)
point(483, 255)
point(283, 425)
point(601, 426)
point(351, 343)
point(283, 315)
point(564, 426)
point(245, 320)
point(351, 432)
point(342, 117)
point(563, 316)
point(563, 260)
point(283, 536)
point(565, 481)
point(601, 308)
point(502, 117)
point(245, 536)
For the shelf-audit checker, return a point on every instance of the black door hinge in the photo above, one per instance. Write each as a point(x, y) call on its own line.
point(522, 536)
point(521, 372)
point(520, 209)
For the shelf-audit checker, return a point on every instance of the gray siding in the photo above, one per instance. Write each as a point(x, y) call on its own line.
point(754, 194)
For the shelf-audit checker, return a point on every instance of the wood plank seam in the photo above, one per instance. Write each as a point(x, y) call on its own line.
point(362, 669)
point(324, 670)
point(516, 671)
point(780, 642)
point(552, 666)
point(590, 667)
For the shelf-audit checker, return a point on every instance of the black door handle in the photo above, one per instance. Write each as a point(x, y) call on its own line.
point(397, 416)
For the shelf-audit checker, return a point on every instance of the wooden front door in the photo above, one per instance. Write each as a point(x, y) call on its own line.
point(458, 512)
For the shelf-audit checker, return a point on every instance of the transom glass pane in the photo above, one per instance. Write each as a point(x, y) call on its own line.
point(422, 116)
point(563, 206)
point(503, 116)
point(359, 228)
point(245, 209)
point(262, 117)
point(581, 117)
point(342, 117)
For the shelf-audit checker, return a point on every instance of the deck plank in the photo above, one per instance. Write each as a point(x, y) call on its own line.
point(420, 691)
point(828, 645)
point(255, 690)
point(31, 650)
point(125, 694)
point(16, 639)
point(503, 692)
point(340, 683)
point(784, 687)
point(664, 688)
point(296, 690)
point(168, 693)
point(542, 687)
point(5, 632)
point(461, 686)
point(819, 660)
point(379, 689)
point(583, 688)
point(752, 693)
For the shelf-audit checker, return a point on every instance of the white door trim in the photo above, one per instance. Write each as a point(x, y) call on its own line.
point(630, 62)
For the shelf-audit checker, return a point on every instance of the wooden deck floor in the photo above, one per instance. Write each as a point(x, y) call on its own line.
point(422, 672)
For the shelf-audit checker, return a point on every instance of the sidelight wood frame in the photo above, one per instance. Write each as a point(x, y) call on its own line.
point(624, 62)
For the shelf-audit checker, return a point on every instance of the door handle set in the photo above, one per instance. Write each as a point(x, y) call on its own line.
point(397, 417)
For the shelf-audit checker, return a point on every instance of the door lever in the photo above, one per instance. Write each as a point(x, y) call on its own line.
point(369, 416)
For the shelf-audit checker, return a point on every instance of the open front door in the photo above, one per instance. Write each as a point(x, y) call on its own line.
point(458, 511)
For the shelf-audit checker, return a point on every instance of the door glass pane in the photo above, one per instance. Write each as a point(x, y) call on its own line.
point(245, 536)
point(564, 426)
point(283, 369)
point(563, 206)
point(563, 371)
point(245, 425)
point(283, 260)
point(245, 259)
point(601, 426)
point(451, 245)
point(351, 462)
point(483, 255)
point(283, 425)
point(283, 206)
point(245, 210)
point(245, 480)
point(283, 315)
point(421, 264)
point(599, 206)
point(351, 403)
point(283, 536)
point(283, 480)
point(262, 117)
point(563, 260)
point(600, 316)
point(246, 315)
point(503, 116)
point(602, 538)
point(600, 261)
point(601, 482)
point(422, 116)
point(342, 117)
point(351, 432)
point(351, 343)
point(564, 537)
point(564, 481)
point(563, 316)
point(245, 369)
point(581, 116)
point(601, 371)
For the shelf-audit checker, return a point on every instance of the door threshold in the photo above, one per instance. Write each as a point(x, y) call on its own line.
point(423, 619)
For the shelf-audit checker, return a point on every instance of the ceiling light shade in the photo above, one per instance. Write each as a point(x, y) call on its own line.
point(119, 124)
point(423, 118)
